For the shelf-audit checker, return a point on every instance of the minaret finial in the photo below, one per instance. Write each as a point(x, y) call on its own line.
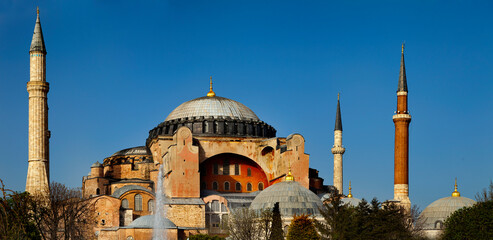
point(403, 45)
point(350, 195)
point(211, 93)
point(37, 10)
point(338, 96)
point(289, 176)
point(455, 193)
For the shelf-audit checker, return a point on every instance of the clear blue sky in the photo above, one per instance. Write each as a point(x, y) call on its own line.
point(117, 68)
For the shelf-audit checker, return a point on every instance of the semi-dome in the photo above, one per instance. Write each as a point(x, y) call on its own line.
point(293, 199)
point(437, 212)
point(212, 107)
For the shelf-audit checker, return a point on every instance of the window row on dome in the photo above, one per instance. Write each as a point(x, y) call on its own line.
point(215, 127)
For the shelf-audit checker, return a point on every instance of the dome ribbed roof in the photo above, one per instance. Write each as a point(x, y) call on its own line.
point(148, 222)
point(292, 197)
point(212, 107)
point(142, 150)
point(442, 208)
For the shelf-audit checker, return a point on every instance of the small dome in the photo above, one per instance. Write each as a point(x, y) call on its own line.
point(212, 107)
point(96, 164)
point(442, 208)
point(148, 222)
point(142, 150)
point(293, 199)
point(351, 201)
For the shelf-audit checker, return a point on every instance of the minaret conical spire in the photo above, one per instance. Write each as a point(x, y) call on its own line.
point(338, 125)
point(402, 86)
point(38, 43)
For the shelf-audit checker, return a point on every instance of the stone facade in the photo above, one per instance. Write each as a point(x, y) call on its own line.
point(197, 169)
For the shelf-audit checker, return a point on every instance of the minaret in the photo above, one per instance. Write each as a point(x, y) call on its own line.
point(38, 174)
point(337, 149)
point(401, 151)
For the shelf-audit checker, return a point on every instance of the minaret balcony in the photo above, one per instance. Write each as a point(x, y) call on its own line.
point(338, 150)
point(401, 116)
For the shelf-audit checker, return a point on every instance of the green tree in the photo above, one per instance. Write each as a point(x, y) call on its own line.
point(366, 221)
point(204, 237)
point(475, 222)
point(16, 218)
point(276, 232)
point(338, 220)
point(302, 227)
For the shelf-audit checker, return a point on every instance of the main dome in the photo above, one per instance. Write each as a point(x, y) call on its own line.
point(212, 107)
point(214, 116)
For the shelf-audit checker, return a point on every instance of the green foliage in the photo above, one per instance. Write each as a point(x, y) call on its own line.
point(204, 237)
point(302, 227)
point(475, 222)
point(366, 221)
point(338, 220)
point(276, 231)
point(16, 218)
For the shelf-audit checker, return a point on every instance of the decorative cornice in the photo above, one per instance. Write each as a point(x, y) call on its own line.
point(338, 150)
point(401, 116)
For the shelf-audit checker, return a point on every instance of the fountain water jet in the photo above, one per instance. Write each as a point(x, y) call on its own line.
point(159, 231)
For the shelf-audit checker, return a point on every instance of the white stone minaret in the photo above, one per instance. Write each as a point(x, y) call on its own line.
point(38, 172)
point(338, 150)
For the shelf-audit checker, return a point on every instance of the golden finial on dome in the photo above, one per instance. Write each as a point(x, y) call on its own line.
point(289, 177)
point(37, 10)
point(455, 193)
point(211, 93)
point(350, 195)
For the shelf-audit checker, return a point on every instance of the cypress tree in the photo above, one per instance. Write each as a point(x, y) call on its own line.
point(276, 232)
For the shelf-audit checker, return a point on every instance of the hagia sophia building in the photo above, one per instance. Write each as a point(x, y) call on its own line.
point(216, 155)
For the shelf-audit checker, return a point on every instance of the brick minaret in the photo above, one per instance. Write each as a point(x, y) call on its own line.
point(338, 150)
point(38, 174)
point(401, 150)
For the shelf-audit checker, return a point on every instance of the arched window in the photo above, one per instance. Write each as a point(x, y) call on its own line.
point(249, 187)
point(150, 205)
point(438, 224)
point(215, 206)
point(125, 203)
point(249, 172)
point(238, 186)
point(226, 186)
point(138, 202)
point(226, 167)
point(260, 186)
point(98, 191)
point(215, 169)
point(214, 185)
point(237, 169)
